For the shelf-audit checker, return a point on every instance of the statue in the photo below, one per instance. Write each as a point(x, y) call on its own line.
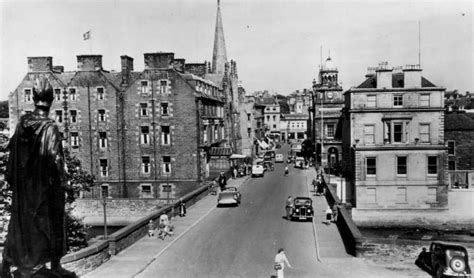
point(36, 173)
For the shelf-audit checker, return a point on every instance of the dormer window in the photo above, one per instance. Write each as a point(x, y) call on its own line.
point(72, 94)
point(144, 87)
point(100, 93)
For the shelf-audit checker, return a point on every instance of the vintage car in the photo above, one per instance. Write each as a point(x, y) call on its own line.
point(299, 162)
point(445, 260)
point(279, 158)
point(302, 209)
point(257, 170)
point(230, 196)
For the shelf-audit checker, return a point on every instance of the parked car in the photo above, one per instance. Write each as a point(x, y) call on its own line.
point(257, 170)
point(299, 162)
point(279, 158)
point(230, 196)
point(445, 260)
point(302, 208)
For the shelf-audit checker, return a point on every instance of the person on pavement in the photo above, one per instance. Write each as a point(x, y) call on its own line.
point(222, 181)
point(281, 260)
point(328, 212)
point(289, 207)
point(286, 170)
point(182, 208)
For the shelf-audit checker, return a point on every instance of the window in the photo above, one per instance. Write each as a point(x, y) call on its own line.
point(274, 109)
point(398, 100)
point(401, 165)
point(397, 132)
point(432, 194)
point(28, 95)
point(371, 101)
point(145, 135)
point(102, 139)
point(451, 146)
point(274, 118)
point(165, 135)
point(369, 134)
point(248, 116)
point(425, 133)
point(401, 195)
point(164, 109)
point(74, 139)
point(144, 109)
point(145, 191)
point(100, 93)
point(104, 191)
point(73, 116)
point(249, 132)
point(163, 86)
point(330, 130)
point(104, 168)
point(432, 165)
point(216, 133)
point(144, 87)
point(72, 94)
point(371, 166)
point(59, 116)
point(268, 118)
point(451, 165)
point(101, 115)
point(57, 94)
point(425, 100)
point(205, 134)
point(274, 126)
point(166, 165)
point(145, 164)
point(371, 195)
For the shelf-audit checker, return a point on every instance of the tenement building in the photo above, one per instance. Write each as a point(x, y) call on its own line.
point(141, 134)
point(394, 147)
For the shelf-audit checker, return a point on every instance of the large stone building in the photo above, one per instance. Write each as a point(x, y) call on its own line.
point(328, 103)
point(154, 133)
point(141, 134)
point(394, 148)
point(272, 116)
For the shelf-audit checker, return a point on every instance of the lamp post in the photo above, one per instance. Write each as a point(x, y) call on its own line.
point(104, 205)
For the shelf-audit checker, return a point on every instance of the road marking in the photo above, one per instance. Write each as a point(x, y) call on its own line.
point(172, 242)
point(314, 224)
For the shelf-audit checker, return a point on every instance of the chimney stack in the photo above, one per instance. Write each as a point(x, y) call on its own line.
point(178, 64)
point(44, 63)
point(89, 62)
point(160, 60)
point(127, 68)
point(384, 76)
point(198, 69)
point(58, 69)
point(412, 76)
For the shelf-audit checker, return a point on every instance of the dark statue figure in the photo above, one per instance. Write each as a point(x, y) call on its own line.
point(37, 176)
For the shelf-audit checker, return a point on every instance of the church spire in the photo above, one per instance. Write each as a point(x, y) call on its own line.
point(219, 55)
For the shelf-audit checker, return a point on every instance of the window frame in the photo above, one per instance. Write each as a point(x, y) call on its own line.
point(101, 117)
point(423, 101)
point(402, 167)
point(430, 166)
point(374, 174)
point(104, 172)
point(165, 164)
point(73, 114)
point(369, 135)
point(28, 97)
point(59, 116)
point(145, 165)
point(453, 142)
point(424, 134)
point(60, 98)
point(147, 194)
point(100, 95)
point(164, 108)
point(371, 103)
point(145, 136)
point(397, 100)
point(72, 96)
point(74, 139)
point(166, 136)
point(103, 141)
point(144, 88)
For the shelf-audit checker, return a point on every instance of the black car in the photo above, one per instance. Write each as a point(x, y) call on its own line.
point(302, 209)
point(445, 260)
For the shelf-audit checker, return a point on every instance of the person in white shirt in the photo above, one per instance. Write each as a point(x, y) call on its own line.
point(280, 259)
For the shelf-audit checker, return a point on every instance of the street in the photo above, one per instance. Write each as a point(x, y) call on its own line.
point(242, 241)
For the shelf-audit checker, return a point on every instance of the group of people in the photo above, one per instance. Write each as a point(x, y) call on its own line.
point(165, 227)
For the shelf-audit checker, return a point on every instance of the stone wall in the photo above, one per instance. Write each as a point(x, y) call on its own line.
point(87, 259)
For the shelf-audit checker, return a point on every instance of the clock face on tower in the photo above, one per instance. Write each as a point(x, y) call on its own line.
point(329, 94)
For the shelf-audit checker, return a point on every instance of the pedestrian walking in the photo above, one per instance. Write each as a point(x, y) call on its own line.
point(280, 261)
point(328, 212)
point(235, 172)
point(289, 207)
point(335, 212)
point(182, 208)
point(222, 181)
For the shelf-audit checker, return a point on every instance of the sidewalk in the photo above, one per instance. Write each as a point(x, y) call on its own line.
point(330, 242)
point(135, 258)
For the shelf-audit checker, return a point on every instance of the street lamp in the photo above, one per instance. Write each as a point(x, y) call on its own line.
point(315, 89)
point(105, 198)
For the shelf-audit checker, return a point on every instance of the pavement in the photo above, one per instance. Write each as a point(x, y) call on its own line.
point(133, 260)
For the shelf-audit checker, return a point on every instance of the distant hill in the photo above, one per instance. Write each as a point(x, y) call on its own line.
point(4, 109)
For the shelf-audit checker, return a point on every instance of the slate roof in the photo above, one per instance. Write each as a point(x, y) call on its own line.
point(397, 82)
point(458, 121)
point(269, 101)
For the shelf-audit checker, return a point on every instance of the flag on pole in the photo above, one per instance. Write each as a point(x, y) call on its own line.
point(86, 35)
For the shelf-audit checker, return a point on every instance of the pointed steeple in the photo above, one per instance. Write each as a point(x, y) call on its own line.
point(219, 55)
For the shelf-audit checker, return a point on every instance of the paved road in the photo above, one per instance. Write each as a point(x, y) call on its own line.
point(242, 241)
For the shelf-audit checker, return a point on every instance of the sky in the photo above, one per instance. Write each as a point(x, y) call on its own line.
point(276, 43)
